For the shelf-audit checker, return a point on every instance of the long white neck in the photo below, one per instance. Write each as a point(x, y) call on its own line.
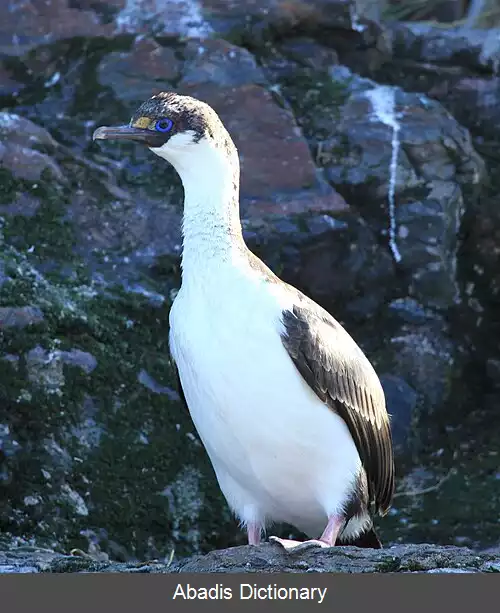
point(211, 225)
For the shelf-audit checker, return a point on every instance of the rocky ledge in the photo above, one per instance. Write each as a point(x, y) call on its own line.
point(269, 558)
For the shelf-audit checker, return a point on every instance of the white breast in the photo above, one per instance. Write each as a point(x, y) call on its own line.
point(278, 452)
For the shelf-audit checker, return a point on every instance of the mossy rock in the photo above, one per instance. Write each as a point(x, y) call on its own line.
point(96, 450)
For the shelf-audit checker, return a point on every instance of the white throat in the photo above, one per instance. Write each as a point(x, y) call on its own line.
point(211, 224)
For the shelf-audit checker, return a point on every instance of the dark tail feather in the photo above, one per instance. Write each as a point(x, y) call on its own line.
point(368, 540)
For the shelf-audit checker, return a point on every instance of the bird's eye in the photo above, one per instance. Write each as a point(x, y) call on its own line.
point(163, 125)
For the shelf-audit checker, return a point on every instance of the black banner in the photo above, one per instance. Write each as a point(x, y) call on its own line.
point(138, 593)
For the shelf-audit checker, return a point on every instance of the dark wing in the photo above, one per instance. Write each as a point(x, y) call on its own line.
point(341, 376)
point(180, 391)
point(366, 540)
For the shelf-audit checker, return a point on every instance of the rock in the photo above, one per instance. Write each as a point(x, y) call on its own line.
point(425, 358)
point(436, 166)
point(473, 49)
point(26, 25)
point(436, 174)
point(278, 173)
point(275, 158)
point(45, 369)
point(26, 163)
point(9, 446)
point(17, 149)
point(8, 84)
point(279, 178)
point(307, 52)
point(136, 74)
point(433, 152)
point(457, 66)
point(23, 132)
point(147, 380)
point(267, 558)
point(493, 371)
point(75, 357)
point(61, 175)
point(87, 422)
point(402, 558)
point(218, 62)
point(19, 318)
point(473, 100)
point(187, 18)
point(338, 260)
point(401, 400)
point(408, 159)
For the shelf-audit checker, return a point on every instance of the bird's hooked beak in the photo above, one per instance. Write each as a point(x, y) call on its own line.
point(138, 135)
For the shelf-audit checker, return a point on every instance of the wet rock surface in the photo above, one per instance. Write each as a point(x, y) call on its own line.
point(369, 180)
point(269, 559)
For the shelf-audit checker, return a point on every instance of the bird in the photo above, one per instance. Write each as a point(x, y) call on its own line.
point(289, 409)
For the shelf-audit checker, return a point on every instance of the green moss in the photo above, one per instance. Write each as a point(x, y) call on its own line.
point(491, 569)
point(76, 565)
point(119, 448)
point(316, 99)
point(414, 566)
point(47, 231)
point(142, 445)
point(389, 565)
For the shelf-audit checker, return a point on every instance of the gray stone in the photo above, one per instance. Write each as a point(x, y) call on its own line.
point(472, 48)
point(401, 400)
point(267, 558)
point(136, 74)
point(19, 318)
point(18, 151)
point(414, 193)
point(424, 357)
point(22, 27)
point(217, 61)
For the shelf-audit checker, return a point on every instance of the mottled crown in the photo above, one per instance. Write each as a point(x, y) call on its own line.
point(186, 114)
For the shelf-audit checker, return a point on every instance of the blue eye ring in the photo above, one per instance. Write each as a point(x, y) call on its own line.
point(164, 125)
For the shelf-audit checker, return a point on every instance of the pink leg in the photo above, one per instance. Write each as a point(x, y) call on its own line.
point(327, 539)
point(331, 531)
point(254, 532)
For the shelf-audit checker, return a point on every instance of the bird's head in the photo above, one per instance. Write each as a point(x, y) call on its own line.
point(175, 127)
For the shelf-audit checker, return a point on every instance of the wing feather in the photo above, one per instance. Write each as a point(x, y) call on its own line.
point(180, 390)
point(341, 376)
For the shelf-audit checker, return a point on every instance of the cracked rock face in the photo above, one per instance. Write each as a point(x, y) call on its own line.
point(404, 163)
point(361, 185)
